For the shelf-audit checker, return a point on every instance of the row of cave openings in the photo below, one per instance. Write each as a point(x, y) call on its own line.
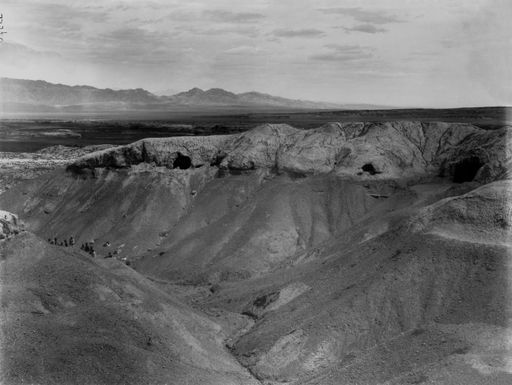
point(463, 171)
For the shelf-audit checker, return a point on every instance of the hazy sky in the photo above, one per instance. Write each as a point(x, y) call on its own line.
point(393, 52)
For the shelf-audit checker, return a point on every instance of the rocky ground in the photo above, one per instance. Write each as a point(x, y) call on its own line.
point(355, 253)
point(18, 166)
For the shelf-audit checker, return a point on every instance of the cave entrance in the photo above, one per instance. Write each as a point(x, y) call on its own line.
point(218, 160)
point(369, 168)
point(466, 169)
point(182, 162)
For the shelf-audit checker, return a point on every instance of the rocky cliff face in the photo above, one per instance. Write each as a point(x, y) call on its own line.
point(356, 150)
point(176, 152)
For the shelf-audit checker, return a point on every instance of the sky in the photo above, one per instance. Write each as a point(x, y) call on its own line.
point(423, 53)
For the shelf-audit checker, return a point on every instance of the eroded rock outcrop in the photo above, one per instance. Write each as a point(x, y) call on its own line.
point(357, 150)
point(200, 150)
point(483, 156)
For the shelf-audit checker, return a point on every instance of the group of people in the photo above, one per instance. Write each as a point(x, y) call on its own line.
point(88, 247)
point(64, 242)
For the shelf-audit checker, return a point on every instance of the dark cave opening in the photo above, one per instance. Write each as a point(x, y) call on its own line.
point(182, 162)
point(266, 300)
point(218, 160)
point(466, 169)
point(369, 168)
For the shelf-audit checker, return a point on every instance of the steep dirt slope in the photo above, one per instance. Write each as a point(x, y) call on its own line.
point(69, 319)
point(134, 207)
point(198, 225)
point(134, 196)
point(396, 308)
point(482, 215)
point(242, 226)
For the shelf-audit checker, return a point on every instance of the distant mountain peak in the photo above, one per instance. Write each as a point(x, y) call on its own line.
point(26, 94)
point(43, 93)
point(194, 91)
point(219, 91)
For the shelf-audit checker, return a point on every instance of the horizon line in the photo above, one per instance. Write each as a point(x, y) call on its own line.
point(385, 106)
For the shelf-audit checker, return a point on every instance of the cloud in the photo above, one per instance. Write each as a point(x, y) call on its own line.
point(247, 31)
point(17, 52)
point(136, 5)
point(364, 16)
point(343, 53)
point(133, 45)
point(243, 50)
point(365, 28)
point(57, 14)
point(52, 24)
point(234, 17)
point(21, 61)
point(298, 33)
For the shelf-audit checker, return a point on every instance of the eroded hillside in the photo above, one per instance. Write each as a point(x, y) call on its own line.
point(358, 253)
point(69, 319)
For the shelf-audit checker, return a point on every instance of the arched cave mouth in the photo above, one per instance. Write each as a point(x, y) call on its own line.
point(370, 168)
point(466, 169)
point(182, 162)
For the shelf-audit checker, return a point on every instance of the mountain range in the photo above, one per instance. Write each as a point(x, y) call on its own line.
point(21, 95)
